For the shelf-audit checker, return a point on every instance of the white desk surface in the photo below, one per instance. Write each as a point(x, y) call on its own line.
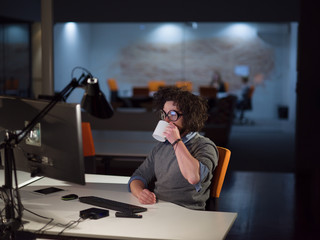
point(163, 220)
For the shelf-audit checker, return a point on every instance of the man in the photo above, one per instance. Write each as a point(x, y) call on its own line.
point(178, 170)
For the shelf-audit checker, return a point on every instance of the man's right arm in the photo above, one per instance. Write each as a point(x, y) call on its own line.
point(144, 196)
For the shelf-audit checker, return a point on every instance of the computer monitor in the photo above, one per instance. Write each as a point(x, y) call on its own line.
point(54, 147)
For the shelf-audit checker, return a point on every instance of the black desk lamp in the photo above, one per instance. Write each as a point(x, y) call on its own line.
point(94, 102)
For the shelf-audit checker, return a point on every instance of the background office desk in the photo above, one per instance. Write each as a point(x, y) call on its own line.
point(120, 152)
point(123, 143)
point(162, 221)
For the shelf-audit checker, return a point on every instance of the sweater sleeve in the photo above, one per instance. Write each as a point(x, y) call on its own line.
point(206, 153)
point(145, 172)
point(204, 170)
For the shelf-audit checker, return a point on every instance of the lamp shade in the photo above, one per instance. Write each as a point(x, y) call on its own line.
point(94, 101)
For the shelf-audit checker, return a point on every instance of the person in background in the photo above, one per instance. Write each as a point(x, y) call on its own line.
point(178, 170)
point(243, 94)
point(217, 82)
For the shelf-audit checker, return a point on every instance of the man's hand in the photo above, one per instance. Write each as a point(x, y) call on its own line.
point(143, 194)
point(147, 197)
point(171, 132)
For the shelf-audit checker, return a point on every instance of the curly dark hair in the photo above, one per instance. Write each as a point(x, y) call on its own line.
point(194, 108)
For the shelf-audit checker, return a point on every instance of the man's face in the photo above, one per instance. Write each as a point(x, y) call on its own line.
point(170, 106)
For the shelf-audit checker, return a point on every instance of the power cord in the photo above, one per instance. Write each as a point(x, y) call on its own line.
point(70, 224)
point(46, 227)
point(41, 230)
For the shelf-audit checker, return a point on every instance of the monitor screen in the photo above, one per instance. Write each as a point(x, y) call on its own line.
point(54, 147)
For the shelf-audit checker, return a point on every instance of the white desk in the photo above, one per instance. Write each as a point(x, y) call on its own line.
point(162, 220)
point(24, 178)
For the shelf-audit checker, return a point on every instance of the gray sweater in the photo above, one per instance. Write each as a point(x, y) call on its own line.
point(161, 174)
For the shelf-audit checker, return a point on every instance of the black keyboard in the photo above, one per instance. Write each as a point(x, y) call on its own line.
point(113, 205)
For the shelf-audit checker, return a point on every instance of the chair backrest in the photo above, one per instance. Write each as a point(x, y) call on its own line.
point(226, 86)
point(247, 104)
point(187, 85)
point(87, 140)
point(11, 84)
point(112, 83)
point(220, 172)
point(140, 91)
point(208, 92)
point(251, 90)
point(155, 84)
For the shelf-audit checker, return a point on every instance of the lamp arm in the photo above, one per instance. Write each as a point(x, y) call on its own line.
point(64, 92)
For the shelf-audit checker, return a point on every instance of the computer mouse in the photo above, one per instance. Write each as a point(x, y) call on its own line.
point(69, 197)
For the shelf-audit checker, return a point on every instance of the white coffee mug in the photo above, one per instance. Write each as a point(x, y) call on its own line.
point(158, 132)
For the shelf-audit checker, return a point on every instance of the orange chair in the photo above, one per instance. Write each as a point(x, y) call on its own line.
point(219, 174)
point(88, 148)
point(11, 87)
point(116, 101)
point(112, 83)
point(226, 86)
point(187, 85)
point(155, 84)
point(251, 91)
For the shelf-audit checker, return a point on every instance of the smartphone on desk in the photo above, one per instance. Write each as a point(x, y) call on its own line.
point(48, 190)
point(128, 215)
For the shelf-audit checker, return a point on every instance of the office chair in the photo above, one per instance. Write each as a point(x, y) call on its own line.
point(141, 98)
point(88, 148)
point(220, 120)
point(244, 105)
point(219, 174)
point(11, 87)
point(117, 101)
point(226, 86)
point(187, 85)
point(140, 91)
point(208, 92)
point(154, 85)
point(112, 84)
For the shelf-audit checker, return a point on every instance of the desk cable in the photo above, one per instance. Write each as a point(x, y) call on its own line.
point(46, 227)
point(41, 230)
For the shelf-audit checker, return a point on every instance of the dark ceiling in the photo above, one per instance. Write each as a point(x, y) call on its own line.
point(153, 11)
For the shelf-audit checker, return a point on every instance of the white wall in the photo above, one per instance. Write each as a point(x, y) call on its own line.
point(72, 46)
point(129, 53)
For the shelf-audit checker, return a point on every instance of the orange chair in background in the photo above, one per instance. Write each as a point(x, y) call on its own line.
point(88, 148)
point(187, 85)
point(219, 174)
point(112, 83)
point(116, 101)
point(155, 84)
point(11, 87)
point(226, 86)
point(251, 91)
